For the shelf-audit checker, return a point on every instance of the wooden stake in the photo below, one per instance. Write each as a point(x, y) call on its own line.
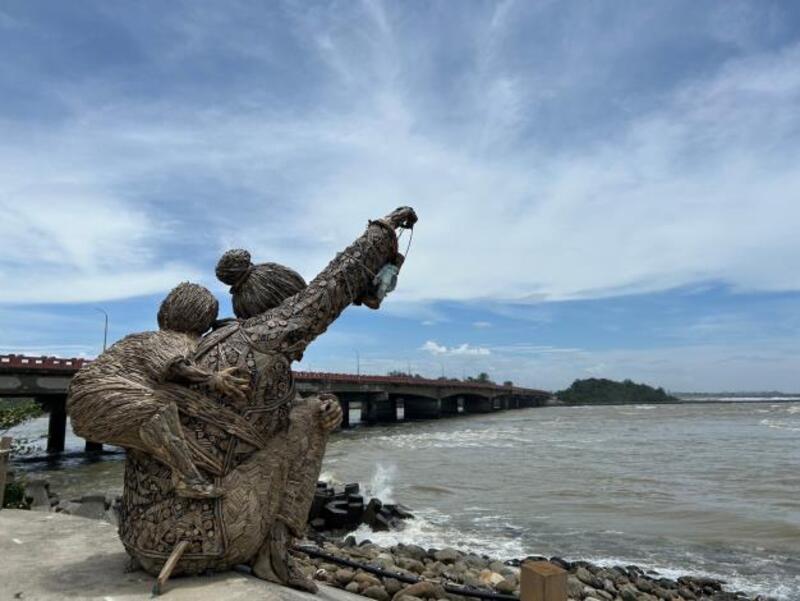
point(542, 581)
point(5, 452)
point(166, 571)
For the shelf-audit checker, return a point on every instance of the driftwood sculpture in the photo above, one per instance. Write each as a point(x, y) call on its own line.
point(256, 445)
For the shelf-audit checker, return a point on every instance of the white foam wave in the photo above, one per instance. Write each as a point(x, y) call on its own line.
point(488, 438)
point(754, 399)
point(432, 529)
point(381, 483)
point(785, 591)
point(780, 425)
point(330, 477)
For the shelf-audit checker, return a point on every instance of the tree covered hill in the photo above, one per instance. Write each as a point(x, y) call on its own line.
point(600, 391)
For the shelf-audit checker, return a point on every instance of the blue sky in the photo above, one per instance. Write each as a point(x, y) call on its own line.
point(606, 189)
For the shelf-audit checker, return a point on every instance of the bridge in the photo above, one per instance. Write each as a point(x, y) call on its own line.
point(379, 398)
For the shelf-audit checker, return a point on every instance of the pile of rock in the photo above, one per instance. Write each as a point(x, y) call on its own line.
point(410, 561)
point(39, 497)
point(342, 510)
point(585, 581)
point(96, 507)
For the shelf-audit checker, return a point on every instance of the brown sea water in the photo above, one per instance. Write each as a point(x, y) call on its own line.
point(702, 488)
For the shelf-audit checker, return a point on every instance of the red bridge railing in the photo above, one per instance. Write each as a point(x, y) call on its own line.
point(16, 362)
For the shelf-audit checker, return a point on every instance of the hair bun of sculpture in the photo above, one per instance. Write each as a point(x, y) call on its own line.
point(234, 267)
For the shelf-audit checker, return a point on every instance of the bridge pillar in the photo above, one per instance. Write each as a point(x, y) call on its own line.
point(344, 401)
point(421, 408)
point(510, 402)
point(450, 406)
point(528, 401)
point(57, 426)
point(379, 408)
point(478, 404)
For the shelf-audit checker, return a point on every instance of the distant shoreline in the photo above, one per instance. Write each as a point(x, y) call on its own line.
point(737, 399)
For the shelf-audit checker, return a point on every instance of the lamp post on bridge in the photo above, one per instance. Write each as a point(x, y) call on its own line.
point(90, 446)
point(105, 327)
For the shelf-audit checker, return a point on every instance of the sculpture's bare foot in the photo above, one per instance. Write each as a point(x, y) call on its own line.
point(276, 565)
point(195, 488)
point(132, 565)
point(300, 581)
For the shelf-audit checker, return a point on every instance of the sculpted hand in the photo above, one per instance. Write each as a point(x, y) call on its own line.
point(331, 412)
point(232, 382)
point(402, 217)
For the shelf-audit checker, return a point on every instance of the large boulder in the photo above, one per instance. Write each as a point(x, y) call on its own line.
point(36, 495)
point(448, 555)
point(94, 510)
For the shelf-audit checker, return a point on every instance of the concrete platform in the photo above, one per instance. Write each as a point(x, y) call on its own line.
point(51, 556)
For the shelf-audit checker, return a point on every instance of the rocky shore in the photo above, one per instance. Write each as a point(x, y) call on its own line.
point(486, 576)
point(407, 572)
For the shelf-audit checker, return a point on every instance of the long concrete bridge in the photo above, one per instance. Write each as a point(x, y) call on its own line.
point(46, 380)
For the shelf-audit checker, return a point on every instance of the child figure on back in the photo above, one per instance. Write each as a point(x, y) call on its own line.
point(115, 400)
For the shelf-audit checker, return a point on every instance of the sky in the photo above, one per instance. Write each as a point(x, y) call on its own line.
point(603, 189)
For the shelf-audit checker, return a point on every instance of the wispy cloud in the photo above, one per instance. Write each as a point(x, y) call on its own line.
point(464, 349)
point(695, 185)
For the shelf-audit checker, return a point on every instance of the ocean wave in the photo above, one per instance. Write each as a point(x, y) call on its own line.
point(381, 484)
point(488, 438)
point(780, 424)
point(430, 529)
point(749, 583)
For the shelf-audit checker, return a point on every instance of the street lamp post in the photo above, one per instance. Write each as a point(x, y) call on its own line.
point(105, 327)
point(93, 448)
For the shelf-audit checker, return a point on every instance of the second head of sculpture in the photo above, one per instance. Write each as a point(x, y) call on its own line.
point(256, 288)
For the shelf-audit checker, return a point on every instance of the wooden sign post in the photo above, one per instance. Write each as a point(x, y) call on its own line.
point(5, 452)
point(542, 581)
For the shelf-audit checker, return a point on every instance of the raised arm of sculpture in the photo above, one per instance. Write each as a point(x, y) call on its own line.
point(348, 278)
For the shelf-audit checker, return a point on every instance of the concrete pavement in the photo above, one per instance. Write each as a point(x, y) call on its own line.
point(55, 557)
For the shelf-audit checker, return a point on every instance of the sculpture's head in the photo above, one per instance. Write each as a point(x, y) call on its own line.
point(256, 288)
point(188, 308)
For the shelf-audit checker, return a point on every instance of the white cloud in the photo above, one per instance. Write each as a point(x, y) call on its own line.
point(482, 324)
point(464, 349)
point(433, 348)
